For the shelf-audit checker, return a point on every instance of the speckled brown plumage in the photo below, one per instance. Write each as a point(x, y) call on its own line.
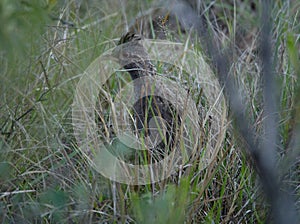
point(150, 101)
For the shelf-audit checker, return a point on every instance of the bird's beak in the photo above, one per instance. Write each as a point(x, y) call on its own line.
point(115, 53)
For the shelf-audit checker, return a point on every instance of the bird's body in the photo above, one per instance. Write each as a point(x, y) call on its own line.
point(152, 111)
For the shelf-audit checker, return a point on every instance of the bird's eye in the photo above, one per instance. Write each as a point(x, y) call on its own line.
point(125, 54)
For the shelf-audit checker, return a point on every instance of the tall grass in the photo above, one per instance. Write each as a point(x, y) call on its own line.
point(45, 178)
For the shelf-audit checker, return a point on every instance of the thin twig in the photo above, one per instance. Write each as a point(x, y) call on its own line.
point(263, 153)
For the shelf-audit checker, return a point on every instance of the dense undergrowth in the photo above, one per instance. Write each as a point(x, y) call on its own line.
point(45, 178)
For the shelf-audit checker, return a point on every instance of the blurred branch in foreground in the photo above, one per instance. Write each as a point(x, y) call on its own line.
point(263, 151)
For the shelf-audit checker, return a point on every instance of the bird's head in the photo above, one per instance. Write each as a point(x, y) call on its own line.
point(130, 51)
